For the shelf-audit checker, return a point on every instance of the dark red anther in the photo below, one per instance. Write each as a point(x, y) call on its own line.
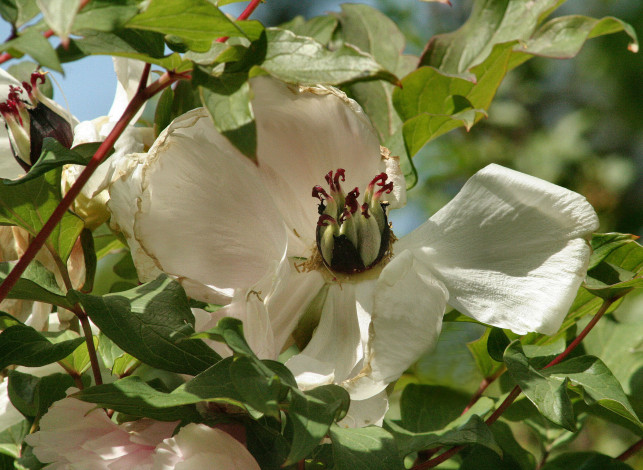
point(14, 94)
point(387, 188)
point(320, 193)
point(351, 203)
point(329, 179)
point(379, 180)
point(365, 210)
point(324, 220)
point(339, 174)
point(37, 77)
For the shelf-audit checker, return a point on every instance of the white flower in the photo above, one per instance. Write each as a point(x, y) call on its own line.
point(199, 446)
point(75, 435)
point(90, 203)
point(509, 250)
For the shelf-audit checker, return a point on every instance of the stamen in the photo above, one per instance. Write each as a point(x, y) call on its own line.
point(325, 220)
point(365, 210)
point(351, 201)
point(387, 188)
point(37, 77)
point(320, 193)
point(339, 174)
point(379, 180)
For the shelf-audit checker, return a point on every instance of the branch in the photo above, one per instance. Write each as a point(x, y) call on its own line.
point(631, 451)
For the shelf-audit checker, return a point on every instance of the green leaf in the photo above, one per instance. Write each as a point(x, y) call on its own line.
point(215, 384)
point(197, 20)
point(585, 461)
point(152, 322)
point(229, 331)
point(18, 12)
point(259, 389)
point(59, 15)
point(32, 395)
point(78, 361)
point(55, 155)
point(36, 283)
point(497, 344)
point(432, 103)
point(479, 350)
point(11, 439)
point(597, 385)
point(114, 357)
point(33, 43)
point(91, 261)
point(133, 396)
point(428, 408)
point(104, 15)
point(563, 37)
point(132, 44)
point(364, 449)
point(302, 60)
point(227, 99)
point(449, 428)
point(548, 394)
point(312, 414)
point(623, 245)
point(320, 28)
point(30, 205)
point(24, 346)
point(492, 23)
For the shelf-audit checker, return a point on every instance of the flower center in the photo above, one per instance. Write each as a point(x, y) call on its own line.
point(352, 238)
point(30, 122)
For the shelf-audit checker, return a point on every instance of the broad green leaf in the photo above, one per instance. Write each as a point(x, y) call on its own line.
point(597, 384)
point(320, 28)
point(24, 346)
point(548, 394)
point(215, 384)
point(432, 103)
point(364, 449)
point(11, 439)
point(30, 204)
point(227, 99)
point(585, 461)
point(32, 395)
point(229, 331)
point(428, 408)
point(152, 322)
point(33, 43)
point(501, 21)
point(18, 12)
point(497, 343)
point(479, 350)
point(266, 443)
point(59, 15)
point(513, 454)
point(563, 37)
point(132, 44)
point(302, 60)
point(260, 390)
point(78, 361)
point(104, 15)
point(134, 397)
point(197, 20)
point(623, 245)
point(36, 283)
point(114, 358)
point(55, 155)
point(312, 414)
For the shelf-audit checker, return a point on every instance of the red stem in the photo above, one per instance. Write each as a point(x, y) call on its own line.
point(631, 451)
point(516, 392)
point(244, 15)
point(137, 102)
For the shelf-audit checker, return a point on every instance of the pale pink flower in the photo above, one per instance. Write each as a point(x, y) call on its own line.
point(197, 446)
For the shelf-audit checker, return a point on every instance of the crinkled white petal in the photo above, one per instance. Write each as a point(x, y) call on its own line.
point(407, 306)
point(6, 79)
point(391, 166)
point(335, 348)
point(9, 167)
point(510, 248)
point(201, 211)
point(199, 446)
point(302, 134)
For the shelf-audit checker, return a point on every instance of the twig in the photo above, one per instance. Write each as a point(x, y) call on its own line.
point(483, 386)
point(244, 15)
point(633, 449)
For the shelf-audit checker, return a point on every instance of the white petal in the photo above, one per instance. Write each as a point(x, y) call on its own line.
point(128, 73)
point(6, 79)
point(510, 248)
point(391, 166)
point(202, 212)
point(408, 304)
point(336, 347)
point(9, 167)
point(368, 412)
point(302, 134)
